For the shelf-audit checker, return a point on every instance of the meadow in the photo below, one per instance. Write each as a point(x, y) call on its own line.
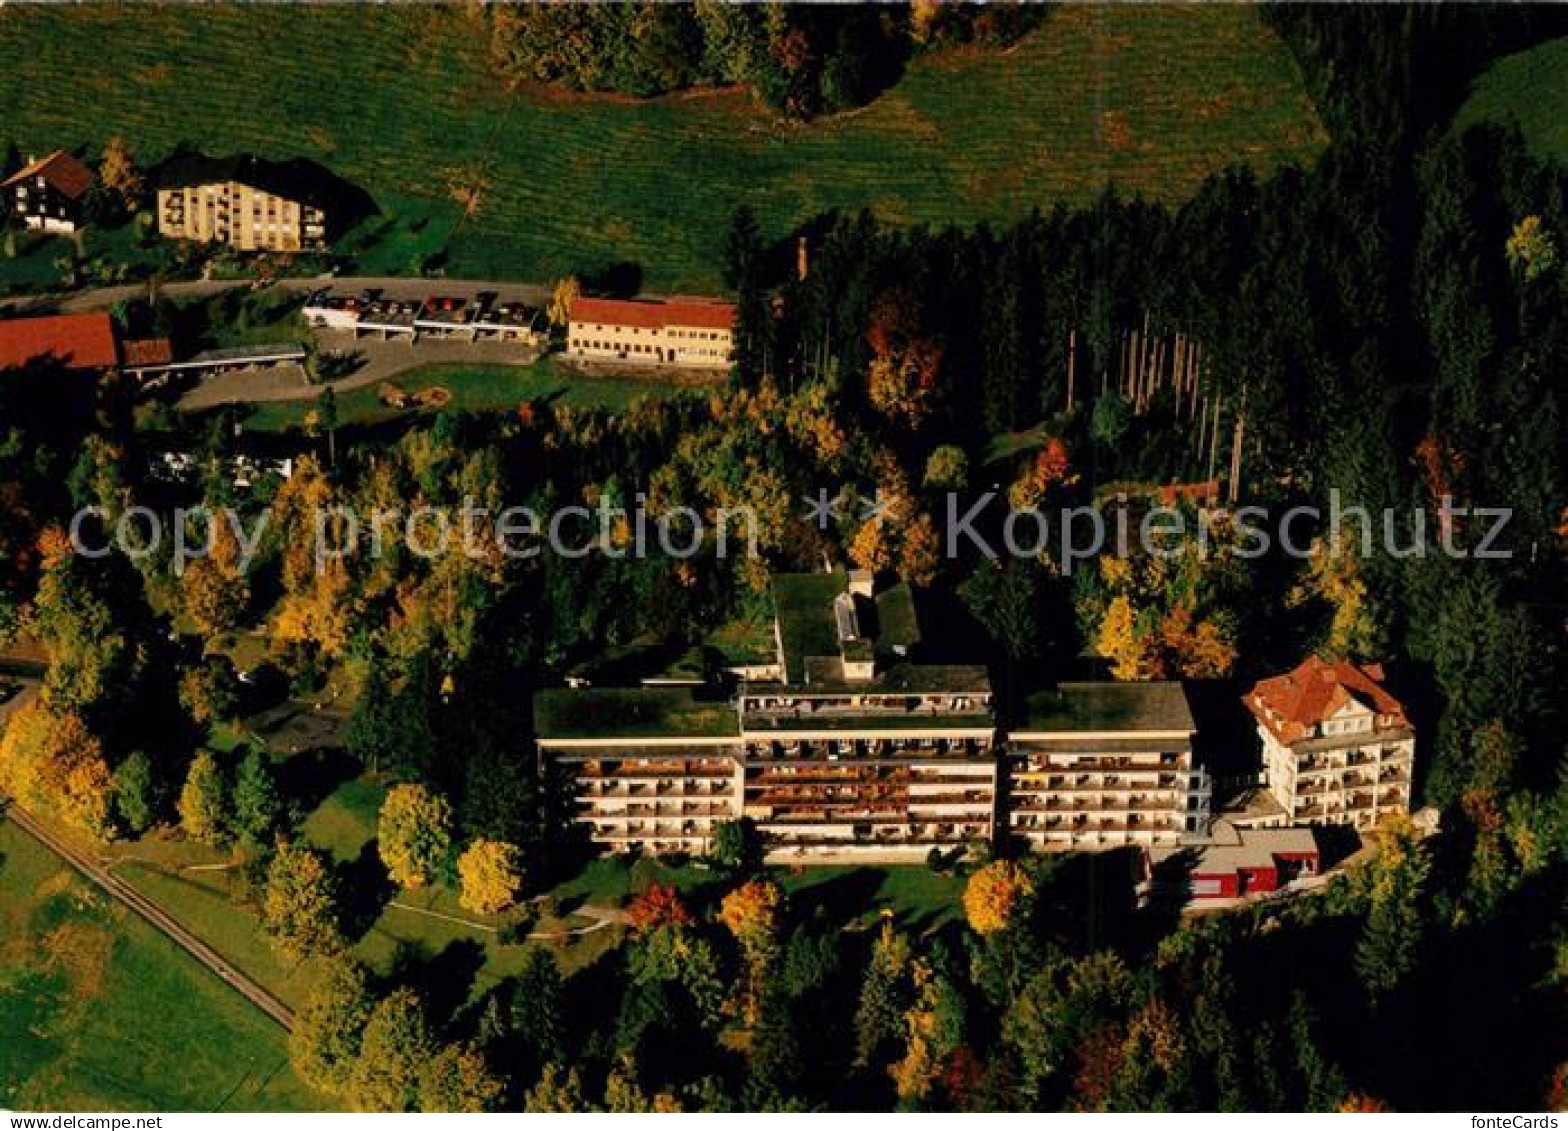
point(99, 1012)
point(1531, 89)
point(484, 181)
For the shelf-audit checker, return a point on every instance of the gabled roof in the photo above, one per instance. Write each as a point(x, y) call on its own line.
point(655, 314)
point(80, 341)
point(62, 172)
point(1291, 705)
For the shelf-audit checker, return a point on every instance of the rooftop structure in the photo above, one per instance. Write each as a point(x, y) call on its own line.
point(77, 341)
point(483, 316)
point(1337, 747)
point(1240, 862)
point(1106, 765)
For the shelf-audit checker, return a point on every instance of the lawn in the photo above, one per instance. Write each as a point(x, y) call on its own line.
point(397, 99)
point(99, 1012)
point(480, 388)
point(917, 898)
point(1530, 88)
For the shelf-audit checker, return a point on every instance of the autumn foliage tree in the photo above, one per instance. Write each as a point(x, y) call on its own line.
point(300, 909)
point(206, 812)
point(994, 895)
point(394, 1051)
point(904, 381)
point(458, 1078)
point(751, 913)
point(658, 906)
point(414, 835)
point(51, 762)
point(324, 1042)
point(490, 876)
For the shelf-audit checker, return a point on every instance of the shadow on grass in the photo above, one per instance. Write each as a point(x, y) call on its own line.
point(444, 980)
point(310, 778)
point(366, 888)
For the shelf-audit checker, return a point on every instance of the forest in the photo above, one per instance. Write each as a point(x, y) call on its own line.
point(1386, 323)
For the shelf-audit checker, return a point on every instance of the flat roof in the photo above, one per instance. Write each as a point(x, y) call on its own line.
point(605, 713)
point(911, 722)
point(1254, 848)
point(1102, 708)
point(803, 604)
point(898, 679)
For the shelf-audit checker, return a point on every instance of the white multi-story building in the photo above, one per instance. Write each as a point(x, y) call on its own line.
point(1337, 747)
point(1106, 765)
point(654, 768)
point(842, 747)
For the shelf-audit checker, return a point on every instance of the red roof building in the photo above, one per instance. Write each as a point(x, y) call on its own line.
point(49, 193)
point(695, 332)
point(1294, 705)
point(78, 341)
point(1337, 747)
point(59, 171)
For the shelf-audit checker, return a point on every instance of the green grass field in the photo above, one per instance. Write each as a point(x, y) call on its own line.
point(1530, 88)
point(398, 100)
point(479, 388)
point(99, 1012)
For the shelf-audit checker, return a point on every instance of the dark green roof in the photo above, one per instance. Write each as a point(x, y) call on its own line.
point(803, 603)
point(897, 624)
point(636, 712)
point(1098, 707)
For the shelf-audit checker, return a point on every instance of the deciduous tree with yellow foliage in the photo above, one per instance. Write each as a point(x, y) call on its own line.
point(994, 895)
point(490, 875)
point(414, 835)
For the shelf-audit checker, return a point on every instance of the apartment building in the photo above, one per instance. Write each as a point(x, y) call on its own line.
point(696, 332)
point(855, 749)
point(50, 194)
point(653, 768)
point(843, 745)
point(1337, 747)
point(245, 202)
point(1094, 766)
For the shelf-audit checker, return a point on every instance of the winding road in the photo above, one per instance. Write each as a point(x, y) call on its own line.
point(153, 914)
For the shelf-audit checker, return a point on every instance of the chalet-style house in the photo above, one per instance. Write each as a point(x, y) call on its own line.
point(244, 202)
point(1337, 747)
point(1106, 765)
point(50, 194)
point(78, 342)
point(696, 332)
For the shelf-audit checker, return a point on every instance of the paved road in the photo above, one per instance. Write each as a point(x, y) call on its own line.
point(155, 915)
point(101, 298)
point(382, 360)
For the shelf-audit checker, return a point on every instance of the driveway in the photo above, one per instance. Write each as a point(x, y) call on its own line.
point(383, 360)
point(102, 298)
